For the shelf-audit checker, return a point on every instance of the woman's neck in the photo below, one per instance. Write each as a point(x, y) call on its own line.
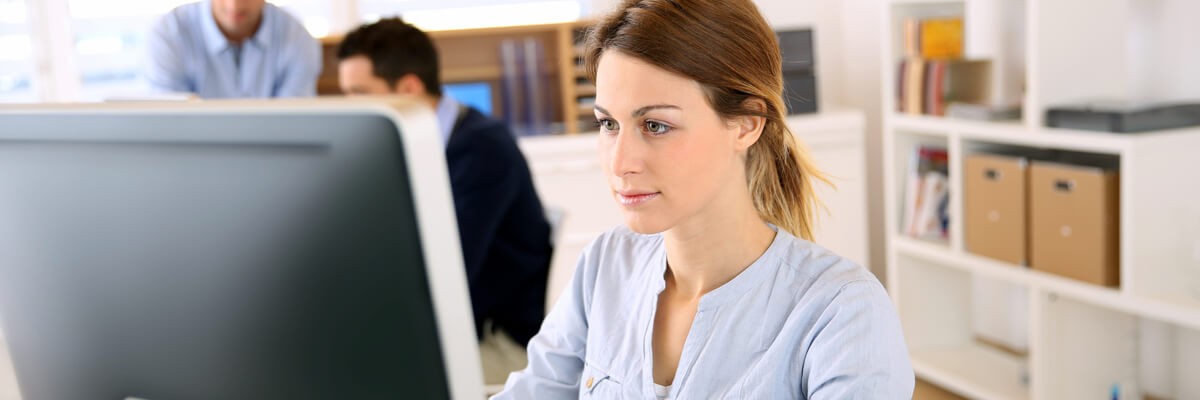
point(703, 255)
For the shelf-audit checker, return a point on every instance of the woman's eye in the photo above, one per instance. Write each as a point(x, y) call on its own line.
point(606, 125)
point(656, 128)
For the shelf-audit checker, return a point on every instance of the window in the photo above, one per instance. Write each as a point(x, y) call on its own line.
point(109, 40)
point(316, 15)
point(16, 54)
point(457, 14)
point(108, 37)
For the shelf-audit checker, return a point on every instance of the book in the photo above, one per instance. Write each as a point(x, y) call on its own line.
point(965, 81)
point(927, 221)
point(927, 194)
point(935, 86)
point(523, 90)
point(983, 112)
point(932, 38)
point(912, 29)
point(928, 86)
point(914, 76)
point(536, 118)
point(901, 79)
point(512, 97)
point(941, 38)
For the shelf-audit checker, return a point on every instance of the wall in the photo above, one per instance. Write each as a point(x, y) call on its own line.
point(849, 74)
point(859, 60)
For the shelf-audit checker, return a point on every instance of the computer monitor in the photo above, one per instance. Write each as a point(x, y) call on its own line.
point(232, 250)
point(474, 94)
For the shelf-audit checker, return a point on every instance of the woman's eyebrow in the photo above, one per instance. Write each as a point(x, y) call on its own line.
point(640, 111)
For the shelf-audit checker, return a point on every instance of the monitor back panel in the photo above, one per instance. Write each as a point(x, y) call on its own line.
point(213, 257)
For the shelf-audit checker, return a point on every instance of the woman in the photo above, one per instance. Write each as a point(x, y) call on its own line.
point(707, 292)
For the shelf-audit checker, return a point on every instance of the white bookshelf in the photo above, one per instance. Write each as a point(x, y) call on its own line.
point(972, 368)
point(1081, 339)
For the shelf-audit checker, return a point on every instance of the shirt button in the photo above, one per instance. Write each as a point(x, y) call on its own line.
point(589, 382)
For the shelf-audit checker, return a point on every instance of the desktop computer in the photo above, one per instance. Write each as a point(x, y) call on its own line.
point(232, 250)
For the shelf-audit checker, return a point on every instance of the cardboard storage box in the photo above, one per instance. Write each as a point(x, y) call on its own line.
point(1074, 221)
point(994, 207)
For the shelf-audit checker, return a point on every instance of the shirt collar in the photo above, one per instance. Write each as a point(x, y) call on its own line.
point(215, 41)
point(765, 265)
point(749, 278)
point(447, 115)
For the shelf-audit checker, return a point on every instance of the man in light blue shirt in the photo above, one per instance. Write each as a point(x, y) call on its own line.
point(232, 49)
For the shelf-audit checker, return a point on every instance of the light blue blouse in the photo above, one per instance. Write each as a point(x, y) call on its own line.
point(799, 323)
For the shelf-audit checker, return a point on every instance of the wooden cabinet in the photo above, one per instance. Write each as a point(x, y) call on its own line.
point(543, 75)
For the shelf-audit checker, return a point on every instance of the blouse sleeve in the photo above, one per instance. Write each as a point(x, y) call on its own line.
point(557, 352)
point(859, 351)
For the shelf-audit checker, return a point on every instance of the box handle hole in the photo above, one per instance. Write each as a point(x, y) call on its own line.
point(1064, 185)
point(992, 174)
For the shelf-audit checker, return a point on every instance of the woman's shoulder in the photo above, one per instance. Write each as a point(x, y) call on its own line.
point(814, 289)
point(816, 270)
point(839, 318)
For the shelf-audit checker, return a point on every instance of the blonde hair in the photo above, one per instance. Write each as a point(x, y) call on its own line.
point(728, 48)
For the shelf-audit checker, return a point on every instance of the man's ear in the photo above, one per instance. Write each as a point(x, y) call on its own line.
point(750, 127)
point(409, 84)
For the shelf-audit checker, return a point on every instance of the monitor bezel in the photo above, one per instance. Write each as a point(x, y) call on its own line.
point(432, 199)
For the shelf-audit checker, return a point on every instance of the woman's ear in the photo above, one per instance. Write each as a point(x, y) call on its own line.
point(750, 127)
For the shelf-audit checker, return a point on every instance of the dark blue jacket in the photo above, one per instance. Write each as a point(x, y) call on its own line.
point(504, 233)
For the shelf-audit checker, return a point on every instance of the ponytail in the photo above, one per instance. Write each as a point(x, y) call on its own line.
point(780, 173)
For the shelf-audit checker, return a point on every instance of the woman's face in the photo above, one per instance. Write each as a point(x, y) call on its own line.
point(668, 156)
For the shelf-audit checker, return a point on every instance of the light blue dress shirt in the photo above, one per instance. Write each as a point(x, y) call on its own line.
point(798, 323)
point(186, 52)
point(447, 115)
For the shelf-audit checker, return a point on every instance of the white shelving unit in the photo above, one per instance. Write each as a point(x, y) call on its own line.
point(1082, 339)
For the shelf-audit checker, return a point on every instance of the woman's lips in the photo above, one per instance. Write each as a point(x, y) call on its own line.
point(634, 199)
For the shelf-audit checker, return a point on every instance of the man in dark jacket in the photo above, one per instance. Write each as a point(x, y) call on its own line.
point(504, 232)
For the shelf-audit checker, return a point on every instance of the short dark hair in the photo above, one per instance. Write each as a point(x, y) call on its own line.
point(395, 48)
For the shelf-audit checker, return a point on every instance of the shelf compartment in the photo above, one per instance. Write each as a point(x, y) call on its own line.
point(1087, 349)
point(975, 371)
point(1090, 350)
point(1180, 311)
point(1160, 218)
point(906, 144)
point(936, 311)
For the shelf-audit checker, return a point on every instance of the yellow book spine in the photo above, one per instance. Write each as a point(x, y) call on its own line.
point(941, 38)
